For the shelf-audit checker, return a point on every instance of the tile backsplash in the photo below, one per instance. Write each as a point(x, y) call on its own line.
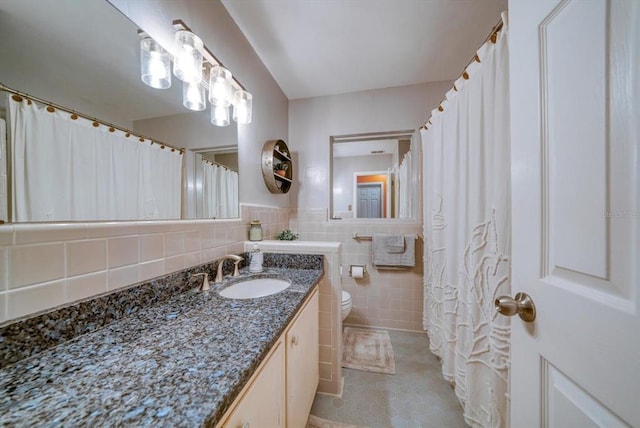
point(47, 265)
point(383, 298)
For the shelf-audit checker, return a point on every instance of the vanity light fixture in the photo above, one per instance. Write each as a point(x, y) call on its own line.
point(155, 64)
point(191, 61)
point(187, 61)
point(193, 96)
point(242, 106)
point(220, 115)
point(220, 86)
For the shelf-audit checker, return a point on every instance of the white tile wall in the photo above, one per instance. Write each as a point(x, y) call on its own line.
point(383, 298)
point(86, 256)
point(46, 265)
point(151, 247)
point(150, 269)
point(123, 251)
point(121, 277)
point(28, 300)
point(81, 287)
point(33, 264)
point(173, 243)
point(329, 306)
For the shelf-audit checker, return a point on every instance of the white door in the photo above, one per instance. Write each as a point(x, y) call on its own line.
point(369, 201)
point(575, 115)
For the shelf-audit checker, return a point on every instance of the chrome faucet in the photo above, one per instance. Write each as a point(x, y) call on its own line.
point(236, 259)
point(205, 280)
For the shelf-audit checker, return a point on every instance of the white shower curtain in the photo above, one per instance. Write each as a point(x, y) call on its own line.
point(404, 186)
point(220, 191)
point(467, 235)
point(4, 202)
point(65, 169)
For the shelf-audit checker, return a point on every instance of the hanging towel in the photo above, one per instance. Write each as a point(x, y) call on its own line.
point(393, 243)
point(383, 258)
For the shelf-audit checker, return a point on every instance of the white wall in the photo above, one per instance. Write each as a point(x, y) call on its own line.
point(313, 120)
point(189, 130)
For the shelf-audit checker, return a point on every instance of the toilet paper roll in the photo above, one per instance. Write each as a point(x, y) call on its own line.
point(357, 271)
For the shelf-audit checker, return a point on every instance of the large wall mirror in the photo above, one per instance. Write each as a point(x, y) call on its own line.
point(373, 176)
point(85, 55)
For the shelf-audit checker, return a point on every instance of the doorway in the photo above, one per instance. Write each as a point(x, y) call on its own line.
point(369, 200)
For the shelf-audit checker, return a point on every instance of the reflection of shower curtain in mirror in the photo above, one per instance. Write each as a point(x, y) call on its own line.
point(220, 191)
point(403, 178)
point(65, 169)
point(3, 172)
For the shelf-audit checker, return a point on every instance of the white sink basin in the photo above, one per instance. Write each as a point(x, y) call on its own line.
point(253, 288)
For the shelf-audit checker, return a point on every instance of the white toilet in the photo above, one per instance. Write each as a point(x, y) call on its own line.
point(346, 304)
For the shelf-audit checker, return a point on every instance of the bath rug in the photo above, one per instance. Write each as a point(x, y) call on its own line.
point(368, 350)
point(316, 422)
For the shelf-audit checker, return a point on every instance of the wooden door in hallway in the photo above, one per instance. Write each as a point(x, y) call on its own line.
point(575, 114)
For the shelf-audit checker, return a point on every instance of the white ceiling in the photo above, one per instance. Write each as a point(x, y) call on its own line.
point(322, 47)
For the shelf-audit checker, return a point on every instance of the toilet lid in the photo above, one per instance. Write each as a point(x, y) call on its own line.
point(346, 297)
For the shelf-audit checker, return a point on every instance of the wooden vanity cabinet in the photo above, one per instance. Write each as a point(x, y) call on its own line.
point(262, 403)
point(281, 392)
point(302, 356)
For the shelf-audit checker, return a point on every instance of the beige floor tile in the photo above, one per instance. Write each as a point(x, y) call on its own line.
point(416, 396)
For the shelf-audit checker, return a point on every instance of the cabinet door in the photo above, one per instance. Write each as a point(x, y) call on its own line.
point(263, 403)
point(302, 364)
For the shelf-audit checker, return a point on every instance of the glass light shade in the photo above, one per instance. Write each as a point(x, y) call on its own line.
point(220, 115)
point(220, 87)
point(242, 106)
point(193, 96)
point(155, 64)
point(187, 63)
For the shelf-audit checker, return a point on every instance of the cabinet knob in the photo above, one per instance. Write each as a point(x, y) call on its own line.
point(294, 340)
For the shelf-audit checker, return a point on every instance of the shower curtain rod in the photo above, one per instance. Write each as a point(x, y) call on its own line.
point(18, 96)
point(218, 163)
point(493, 36)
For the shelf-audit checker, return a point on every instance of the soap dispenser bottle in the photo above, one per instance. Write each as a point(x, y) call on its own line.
point(257, 258)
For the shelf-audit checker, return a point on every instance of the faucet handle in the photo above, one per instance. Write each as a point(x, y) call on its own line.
point(205, 280)
point(235, 267)
point(234, 257)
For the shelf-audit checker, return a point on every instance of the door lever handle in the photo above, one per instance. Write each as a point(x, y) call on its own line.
point(521, 305)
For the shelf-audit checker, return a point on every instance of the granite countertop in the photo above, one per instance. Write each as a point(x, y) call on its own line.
point(177, 363)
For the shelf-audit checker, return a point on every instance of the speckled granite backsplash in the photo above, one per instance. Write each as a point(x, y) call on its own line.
point(29, 336)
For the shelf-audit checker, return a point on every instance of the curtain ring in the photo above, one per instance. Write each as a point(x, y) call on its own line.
point(50, 109)
point(17, 98)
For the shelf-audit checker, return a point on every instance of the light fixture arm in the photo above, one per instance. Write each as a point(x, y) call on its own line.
point(208, 57)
